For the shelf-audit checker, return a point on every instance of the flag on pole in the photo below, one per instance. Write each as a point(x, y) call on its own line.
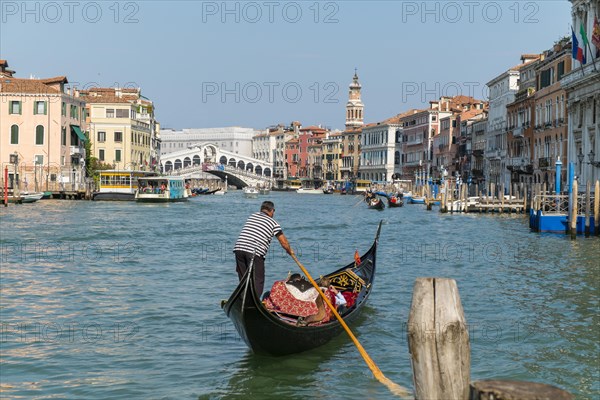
point(596, 33)
point(356, 258)
point(578, 53)
point(583, 35)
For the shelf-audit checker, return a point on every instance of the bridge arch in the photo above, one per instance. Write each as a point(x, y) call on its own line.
point(187, 162)
point(196, 160)
point(267, 172)
point(232, 162)
point(249, 167)
point(241, 164)
point(258, 170)
point(223, 160)
point(178, 164)
point(168, 166)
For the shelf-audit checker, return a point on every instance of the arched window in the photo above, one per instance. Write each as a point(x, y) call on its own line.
point(168, 166)
point(14, 134)
point(39, 134)
point(178, 164)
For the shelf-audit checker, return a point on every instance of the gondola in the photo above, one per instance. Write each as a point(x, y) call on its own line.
point(394, 201)
point(376, 204)
point(264, 332)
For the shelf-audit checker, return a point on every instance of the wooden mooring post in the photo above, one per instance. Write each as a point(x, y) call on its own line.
point(588, 203)
point(573, 213)
point(438, 341)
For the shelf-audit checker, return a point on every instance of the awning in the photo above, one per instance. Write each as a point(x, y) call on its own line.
point(78, 132)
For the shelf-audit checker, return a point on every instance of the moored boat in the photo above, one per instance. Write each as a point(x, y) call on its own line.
point(267, 332)
point(395, 201)
point(161, 189)
point(31, 197)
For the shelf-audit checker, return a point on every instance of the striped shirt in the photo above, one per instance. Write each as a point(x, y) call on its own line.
point(257, 234)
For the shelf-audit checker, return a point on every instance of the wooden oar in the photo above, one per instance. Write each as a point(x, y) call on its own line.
point(360, 201)
point(393, 387)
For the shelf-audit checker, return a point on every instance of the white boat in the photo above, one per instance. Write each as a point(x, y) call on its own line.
point(31, 197)
point(250, 192)
point(161, 189)
point(309, 191)
point(264, 191)
point(459, 205)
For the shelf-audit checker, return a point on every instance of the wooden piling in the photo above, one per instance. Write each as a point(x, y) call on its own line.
point(573, 215)
point(597, 208)
point(438, 341)
point(505, 390)
point(451, 197)
point(501, 196)
point(588, 204)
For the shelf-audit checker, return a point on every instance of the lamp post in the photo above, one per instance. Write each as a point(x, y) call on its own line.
point(580, 158)
point(591, 157)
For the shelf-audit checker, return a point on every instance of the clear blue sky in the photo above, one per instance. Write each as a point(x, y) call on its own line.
point(254, 64)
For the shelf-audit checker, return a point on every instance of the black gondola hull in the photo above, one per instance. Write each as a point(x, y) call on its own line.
point(265, 333)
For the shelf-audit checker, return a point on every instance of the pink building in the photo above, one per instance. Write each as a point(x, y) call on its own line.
point(42, 124)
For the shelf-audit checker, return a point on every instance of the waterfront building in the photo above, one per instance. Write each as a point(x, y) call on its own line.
point(551, 130)
point(269, 146)
point(449, 146)
point(42, 123)
point(502, 91)
point(350, 153)
point(419, 127)
point(123, 130)
point(332, 156)
point(478, 145)
point(521, 121)
point(471, 127)
point(354, 107)
point(381, 149)
point(233, 139)
point(303, 153)
point(582, 86)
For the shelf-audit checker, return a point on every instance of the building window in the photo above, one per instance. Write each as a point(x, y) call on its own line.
point(63, 110)
point(110, 113)
point(14, 134)
point(39, 107)
point(122, 113)
point(14, 107)
point(102, 136)
point(118, 155)
point(39, 159)
point(118, 136)
point(101, 154)
point(39, 135)
point(63, 136)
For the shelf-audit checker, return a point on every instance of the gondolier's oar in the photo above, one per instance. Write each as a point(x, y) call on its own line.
point(360, 201)
point(393, 387)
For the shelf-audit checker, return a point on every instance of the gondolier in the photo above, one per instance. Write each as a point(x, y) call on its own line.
point(254, 241)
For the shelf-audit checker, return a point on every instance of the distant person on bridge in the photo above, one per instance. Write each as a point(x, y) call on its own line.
point(254, 242)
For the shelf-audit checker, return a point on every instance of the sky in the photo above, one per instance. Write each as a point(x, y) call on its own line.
point(259, 63)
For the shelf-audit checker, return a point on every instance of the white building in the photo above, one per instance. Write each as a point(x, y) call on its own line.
point(269, 146)
point(583, 92)
point(233, 139)
point(381, 147)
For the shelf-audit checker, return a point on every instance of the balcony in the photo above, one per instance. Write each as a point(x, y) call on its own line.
point(478, 152)
point(77, 150)
point(543, 163)
point(518, 132)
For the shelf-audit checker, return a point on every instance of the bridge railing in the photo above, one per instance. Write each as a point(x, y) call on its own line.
point(559, 204)
point(235, 171)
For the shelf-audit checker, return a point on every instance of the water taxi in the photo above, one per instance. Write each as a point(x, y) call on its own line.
point(361, 185)
point(250, 192)
point(119, 185)
point(160, 189)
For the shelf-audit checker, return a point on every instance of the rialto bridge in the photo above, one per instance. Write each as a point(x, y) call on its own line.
point(239, 170)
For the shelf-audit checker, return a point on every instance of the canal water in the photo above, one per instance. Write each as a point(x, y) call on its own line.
point(121, 300)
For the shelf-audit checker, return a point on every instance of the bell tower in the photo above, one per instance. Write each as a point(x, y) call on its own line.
point(354, 107)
